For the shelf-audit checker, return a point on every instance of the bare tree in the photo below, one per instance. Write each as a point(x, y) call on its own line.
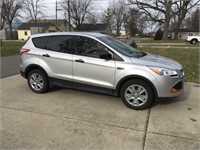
point(180, 10)
point(132, 21)
point(118, 10)
point(2, 23)
point(34, 9)
point(142, 23)
point(92, 17)
point(137, 21)
point(163, 10)
point(107, 18)
point(192, 21)
point(77, 10)
point(126, 17)
point(195, 18)
point(158, 11)
point(10, 10)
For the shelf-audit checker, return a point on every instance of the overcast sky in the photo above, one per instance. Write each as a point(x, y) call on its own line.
point(99, 6)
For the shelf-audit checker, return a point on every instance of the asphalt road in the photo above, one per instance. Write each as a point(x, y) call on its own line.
point(9, 66)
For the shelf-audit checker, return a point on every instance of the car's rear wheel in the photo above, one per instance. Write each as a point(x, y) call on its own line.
point(38, 81)
point(137, 94)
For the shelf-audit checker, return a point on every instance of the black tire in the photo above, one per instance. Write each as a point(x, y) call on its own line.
point(40, 84)
point(131, 89)
point(194, 41)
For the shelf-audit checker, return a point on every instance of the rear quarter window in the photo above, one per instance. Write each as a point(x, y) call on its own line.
point(40, 42)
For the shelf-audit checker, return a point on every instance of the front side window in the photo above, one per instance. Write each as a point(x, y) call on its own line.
point(121, 47)
point(60, 44)
point(89, 47)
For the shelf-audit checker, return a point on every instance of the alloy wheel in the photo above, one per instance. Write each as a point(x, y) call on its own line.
point(136, 95)
point(36, 81)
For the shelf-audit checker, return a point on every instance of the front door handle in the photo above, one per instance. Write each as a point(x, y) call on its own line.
point(120, 68)
point(46, 55)
point(79, 60)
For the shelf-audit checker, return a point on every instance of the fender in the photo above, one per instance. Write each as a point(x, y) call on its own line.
point(123, 80)
point(32, 67)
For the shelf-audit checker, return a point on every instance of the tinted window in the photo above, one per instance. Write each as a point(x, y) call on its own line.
point(60, 44)
point(40, 42)
point(89, 47)
point(121, 47)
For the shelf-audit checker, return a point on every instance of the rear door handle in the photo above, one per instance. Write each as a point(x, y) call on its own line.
point(46, 55)
point(79, 60)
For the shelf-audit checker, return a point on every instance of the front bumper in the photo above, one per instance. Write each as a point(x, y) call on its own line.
point(169, 86)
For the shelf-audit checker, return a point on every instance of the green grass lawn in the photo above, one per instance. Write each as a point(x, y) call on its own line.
point(9, 48)
point(189, 58)
point(151, 40)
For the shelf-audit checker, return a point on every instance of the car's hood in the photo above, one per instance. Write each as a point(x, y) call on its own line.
point(157, 61)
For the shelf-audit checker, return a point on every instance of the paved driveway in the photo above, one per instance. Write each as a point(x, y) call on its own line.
point(69, 119)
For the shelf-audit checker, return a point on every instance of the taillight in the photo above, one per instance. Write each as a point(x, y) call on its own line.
point(23, 50)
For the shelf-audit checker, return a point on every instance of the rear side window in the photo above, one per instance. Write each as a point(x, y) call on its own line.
point(60, 44)
point(40, 42)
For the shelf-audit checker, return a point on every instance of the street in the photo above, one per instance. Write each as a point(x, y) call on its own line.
point(9, 66)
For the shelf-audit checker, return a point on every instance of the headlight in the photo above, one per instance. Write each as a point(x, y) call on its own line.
point(164, 71)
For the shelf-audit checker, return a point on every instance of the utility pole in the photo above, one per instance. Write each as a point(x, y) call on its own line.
point(57, 14)
point(68, 3)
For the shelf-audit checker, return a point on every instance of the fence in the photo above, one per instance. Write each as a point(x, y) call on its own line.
point(8, 35)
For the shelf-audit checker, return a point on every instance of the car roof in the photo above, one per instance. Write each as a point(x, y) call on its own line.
point(90, 34)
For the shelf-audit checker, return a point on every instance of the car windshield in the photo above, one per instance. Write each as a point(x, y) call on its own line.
point(121, 47)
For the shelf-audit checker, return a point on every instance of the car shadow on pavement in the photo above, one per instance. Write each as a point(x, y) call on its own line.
point(59, 88)
point(56, 88)
point(160, 101)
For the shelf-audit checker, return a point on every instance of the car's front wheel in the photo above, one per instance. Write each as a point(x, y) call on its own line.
point(38, 81)
point(137, 94)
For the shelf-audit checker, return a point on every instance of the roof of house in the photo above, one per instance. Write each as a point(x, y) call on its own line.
point(53, 21)
point(188, 30)
point(93, 27)
point(27, 26)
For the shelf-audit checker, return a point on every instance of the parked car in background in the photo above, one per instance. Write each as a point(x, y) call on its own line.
point(193, 39)
point(99, 63)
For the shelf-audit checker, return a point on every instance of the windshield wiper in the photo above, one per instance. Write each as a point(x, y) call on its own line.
point(143, 54)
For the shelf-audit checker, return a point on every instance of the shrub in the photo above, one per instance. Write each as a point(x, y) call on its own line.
point(158, 35)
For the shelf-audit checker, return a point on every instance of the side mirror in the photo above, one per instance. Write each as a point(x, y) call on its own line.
point(106, 56)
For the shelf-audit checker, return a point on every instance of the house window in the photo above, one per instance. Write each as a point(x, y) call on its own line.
point(25, 32)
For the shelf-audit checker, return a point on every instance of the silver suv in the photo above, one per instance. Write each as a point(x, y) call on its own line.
point(99, 63)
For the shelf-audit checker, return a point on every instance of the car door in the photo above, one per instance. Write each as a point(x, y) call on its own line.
point(57, 57)
point(88, 67)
